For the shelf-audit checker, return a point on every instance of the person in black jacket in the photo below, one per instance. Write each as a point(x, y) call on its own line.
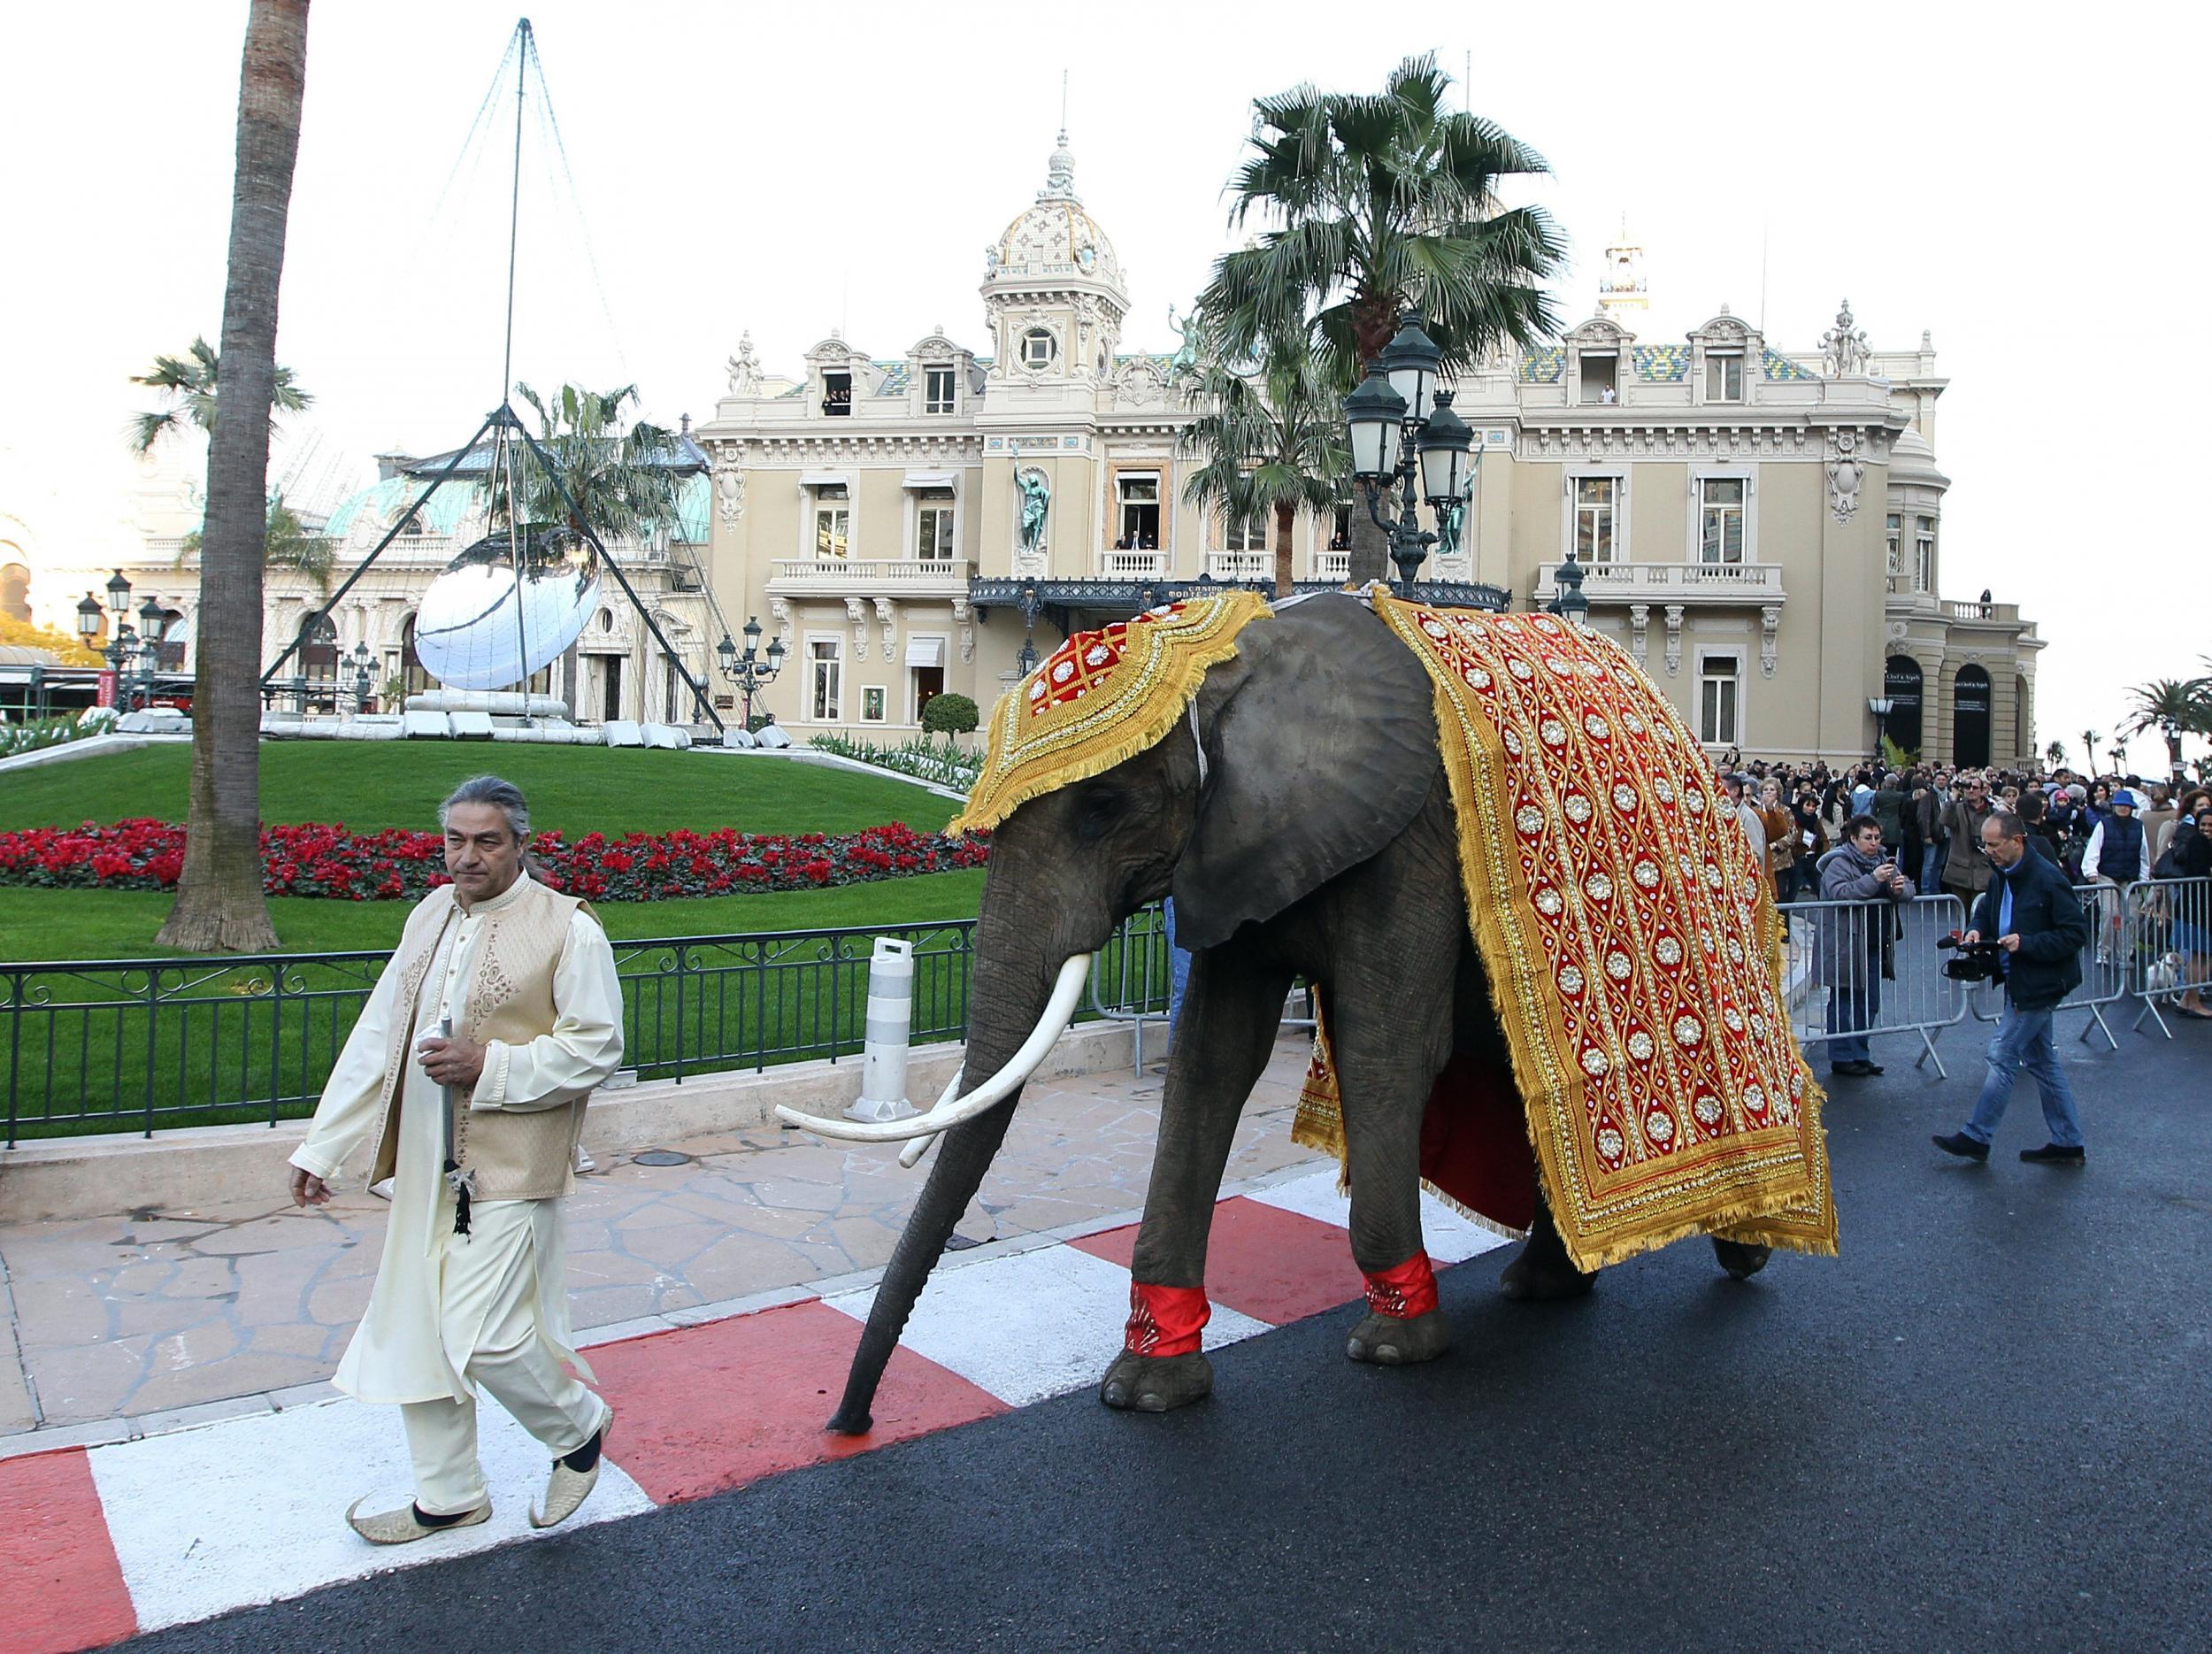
point(2030, 911)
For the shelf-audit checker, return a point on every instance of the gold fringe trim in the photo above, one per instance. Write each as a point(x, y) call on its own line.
point(1127, 720)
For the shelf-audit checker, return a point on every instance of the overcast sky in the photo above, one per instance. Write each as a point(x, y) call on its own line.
point(2028, 193)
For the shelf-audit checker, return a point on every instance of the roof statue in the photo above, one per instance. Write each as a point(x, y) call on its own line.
point(1843, 348)
point(1623, 289)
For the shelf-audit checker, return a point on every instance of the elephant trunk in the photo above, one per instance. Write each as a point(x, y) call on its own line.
point(1009, 994)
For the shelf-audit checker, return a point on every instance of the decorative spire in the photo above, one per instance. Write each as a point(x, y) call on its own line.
point(1623, 293)
point(1059, 173)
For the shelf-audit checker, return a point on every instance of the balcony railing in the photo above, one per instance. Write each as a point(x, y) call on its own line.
point(1241, 565)
point(1661, 583)
point(1133, 564)
point(1981, 611)
point(910, 574)
point(1333, 565)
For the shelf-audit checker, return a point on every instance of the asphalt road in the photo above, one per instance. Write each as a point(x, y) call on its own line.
point(1983, 1427)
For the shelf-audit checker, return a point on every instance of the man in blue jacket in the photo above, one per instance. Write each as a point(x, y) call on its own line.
point(2031, 911)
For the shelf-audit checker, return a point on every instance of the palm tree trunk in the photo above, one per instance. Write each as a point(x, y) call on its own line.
point(1286, 519)
point(1374, 322)
point(220, 904)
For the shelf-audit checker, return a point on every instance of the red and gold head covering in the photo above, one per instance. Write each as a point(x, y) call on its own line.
point(1104, 697)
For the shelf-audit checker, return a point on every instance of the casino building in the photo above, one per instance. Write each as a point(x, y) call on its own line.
point(1762, 528)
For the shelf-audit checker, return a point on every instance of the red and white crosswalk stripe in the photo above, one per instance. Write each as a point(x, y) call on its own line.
point(97, 1543)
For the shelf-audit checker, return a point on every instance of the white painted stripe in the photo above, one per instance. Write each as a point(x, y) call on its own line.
point(252, 1509)
point(1032, 1326)
point(1450, 1238)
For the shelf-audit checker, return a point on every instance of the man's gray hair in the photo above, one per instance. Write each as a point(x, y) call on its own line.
point(490, 789)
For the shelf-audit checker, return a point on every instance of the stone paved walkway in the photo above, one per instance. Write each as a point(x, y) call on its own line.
point(123, 1318)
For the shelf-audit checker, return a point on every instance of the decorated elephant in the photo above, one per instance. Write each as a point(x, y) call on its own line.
point(1281, 775)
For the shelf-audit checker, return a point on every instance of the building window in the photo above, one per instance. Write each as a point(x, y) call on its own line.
point(1137, 523)
point(1895, 530)
point(1596, 499)
point(1039, 347)
point(837, 395)
point(319, 650)
point(1720, 520)
point(1244, 534)
point(937, 393)
point(1723, 376)
point(1923, 569)
point(1600, 384)
point(933, 525)
point(833, 520)
point(825, 685)
point(1340, 528)
point(872, 699)
point(1719, 687)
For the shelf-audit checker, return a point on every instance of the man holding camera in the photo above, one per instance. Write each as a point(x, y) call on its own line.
point(1851, 939)
point(2029, 910)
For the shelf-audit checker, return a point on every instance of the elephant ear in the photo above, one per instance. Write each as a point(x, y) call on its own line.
point(1321, 747)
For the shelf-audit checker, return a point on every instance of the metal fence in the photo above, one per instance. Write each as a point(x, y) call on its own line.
point(2170, 923)
point(2111, 967)
point(1873, 968)
point(1132, 979)
point(140, 1044)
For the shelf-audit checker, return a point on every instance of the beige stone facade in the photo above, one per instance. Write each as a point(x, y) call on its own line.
point(1733, 508)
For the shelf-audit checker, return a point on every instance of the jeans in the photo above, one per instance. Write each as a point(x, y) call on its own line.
point(2023, 1041)
point(1177, 970)
point(1851, 1006)
point(1932, 868)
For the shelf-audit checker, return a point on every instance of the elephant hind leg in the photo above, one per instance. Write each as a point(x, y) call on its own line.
point(1742, 1259)
point(1543, 1271)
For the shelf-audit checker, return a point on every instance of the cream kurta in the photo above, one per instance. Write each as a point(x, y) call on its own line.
point(436, 1291)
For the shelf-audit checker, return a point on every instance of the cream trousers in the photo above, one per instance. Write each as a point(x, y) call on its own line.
point(492, 1313)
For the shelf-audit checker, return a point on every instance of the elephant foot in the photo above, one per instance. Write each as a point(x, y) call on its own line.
point(1393, 1340)
point(1541, 1277)
point(1740, 1260)
point(1139, 1383)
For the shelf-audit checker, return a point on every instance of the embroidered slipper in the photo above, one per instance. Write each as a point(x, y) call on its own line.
point(567, 1488)
point(402, 1526)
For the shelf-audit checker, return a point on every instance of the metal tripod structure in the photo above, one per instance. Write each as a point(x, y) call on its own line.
point(505, 429)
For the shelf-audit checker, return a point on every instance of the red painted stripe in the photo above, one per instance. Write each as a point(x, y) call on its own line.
point(705, 1409)
point(1271, 1264)
point(63, 1586)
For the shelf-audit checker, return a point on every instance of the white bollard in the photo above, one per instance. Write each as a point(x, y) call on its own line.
point(890, 1019)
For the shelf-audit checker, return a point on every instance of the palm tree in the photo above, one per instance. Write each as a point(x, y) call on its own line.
point(286, 543)
point(2054, 755)
point(1272, 439)
point(623, 482)
point(2089, 746)
point(1375, 202)
point(220, 904)
point(2163, 703)
point(190, 381)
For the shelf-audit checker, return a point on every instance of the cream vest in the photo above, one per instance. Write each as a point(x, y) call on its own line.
point(522, 1155)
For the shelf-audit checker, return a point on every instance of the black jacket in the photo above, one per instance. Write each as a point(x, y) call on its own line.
point(2053, 931)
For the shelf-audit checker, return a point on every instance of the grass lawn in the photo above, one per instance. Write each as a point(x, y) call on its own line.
point(398, 783)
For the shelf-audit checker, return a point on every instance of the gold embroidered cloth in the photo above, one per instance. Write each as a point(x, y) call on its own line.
point(1632, 948)
point(1104, 697)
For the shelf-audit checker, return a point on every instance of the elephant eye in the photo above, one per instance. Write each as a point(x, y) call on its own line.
point(1096, 813)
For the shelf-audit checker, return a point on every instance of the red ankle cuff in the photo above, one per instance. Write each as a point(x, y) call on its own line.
point(1166, 1321)
point(1405, 1290)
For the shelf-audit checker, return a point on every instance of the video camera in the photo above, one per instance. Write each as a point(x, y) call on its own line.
point(1976, 961)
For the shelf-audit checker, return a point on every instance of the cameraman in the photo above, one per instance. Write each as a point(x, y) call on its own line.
point(2031, 911)
point(1852, 940)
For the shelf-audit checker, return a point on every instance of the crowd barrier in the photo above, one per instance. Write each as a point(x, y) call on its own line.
point(2110, 970)
point(2169, 926)
point(1837, 953)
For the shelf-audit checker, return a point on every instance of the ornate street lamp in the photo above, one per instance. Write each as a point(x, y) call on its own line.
point(1881, 706)
point(749, 671)
point(120, 596)
point(1396, 413)
point(89, 618)
point(363, 665)
point(1568, 599)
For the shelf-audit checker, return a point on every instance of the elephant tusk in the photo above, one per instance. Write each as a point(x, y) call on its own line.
point(1058, 1013)
point(910, 1155)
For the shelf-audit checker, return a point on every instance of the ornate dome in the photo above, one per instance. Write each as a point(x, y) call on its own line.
point(1055, 237)
point(1912, 460)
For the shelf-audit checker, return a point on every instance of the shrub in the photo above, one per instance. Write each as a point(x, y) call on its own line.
point(36, 736)
point(950, 715)
point(921, 759)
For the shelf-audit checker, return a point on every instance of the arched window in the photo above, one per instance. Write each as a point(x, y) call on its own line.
point(15, 588)
point(412, 679)
point(2022, 719)
point(318, 649)
point(1902, 683)
point(1970, 718)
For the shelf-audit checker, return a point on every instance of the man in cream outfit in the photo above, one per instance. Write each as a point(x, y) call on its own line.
point(528, 982)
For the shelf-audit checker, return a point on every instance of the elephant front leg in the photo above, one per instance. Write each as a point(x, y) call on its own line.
point(1543, 1270)
point(1230, 1012)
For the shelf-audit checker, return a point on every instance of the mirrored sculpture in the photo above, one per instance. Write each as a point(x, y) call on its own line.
point(478, 628)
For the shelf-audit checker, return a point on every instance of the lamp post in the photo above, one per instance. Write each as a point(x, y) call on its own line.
point(1881, 706)
point(2171, 727)
point(1396, 414)
point(364, 666)
point(749, 671)
point(152, 621)
point(122, 639)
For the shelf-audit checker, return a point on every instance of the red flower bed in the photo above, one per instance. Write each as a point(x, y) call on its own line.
point(313, 860)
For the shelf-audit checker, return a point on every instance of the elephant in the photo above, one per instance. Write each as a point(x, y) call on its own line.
point(1302, 820)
